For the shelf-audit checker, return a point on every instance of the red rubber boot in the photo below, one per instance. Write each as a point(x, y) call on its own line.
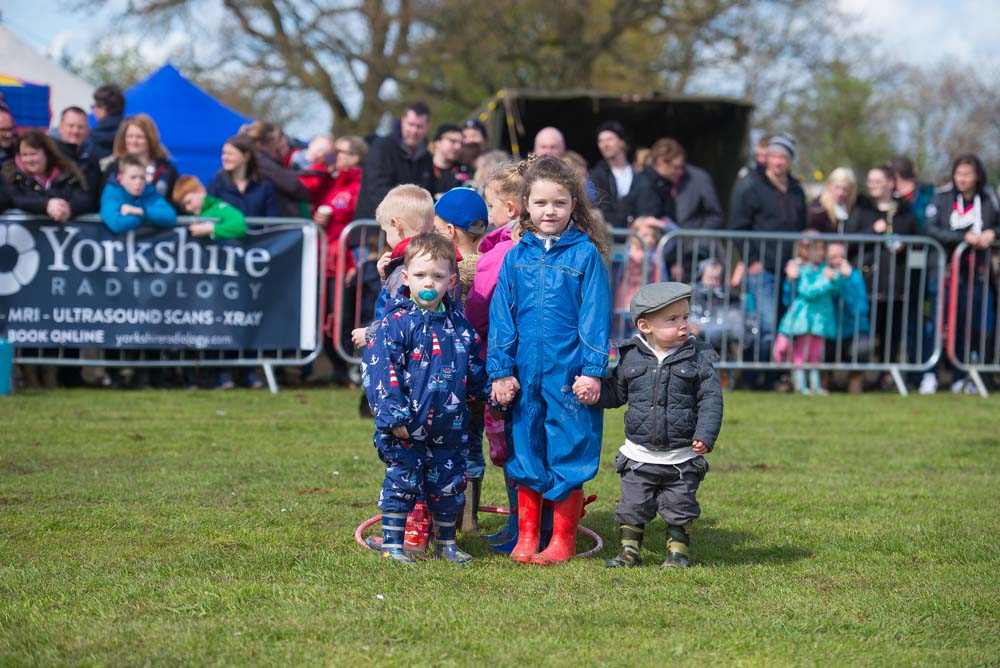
point(565, 518)
point(529, 515)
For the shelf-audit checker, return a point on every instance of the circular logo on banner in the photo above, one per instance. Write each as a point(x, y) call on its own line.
point(18, 258)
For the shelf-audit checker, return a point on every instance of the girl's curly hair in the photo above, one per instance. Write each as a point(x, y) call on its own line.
point(548, 168)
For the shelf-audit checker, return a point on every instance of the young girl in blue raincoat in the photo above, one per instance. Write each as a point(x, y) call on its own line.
point(549, 325)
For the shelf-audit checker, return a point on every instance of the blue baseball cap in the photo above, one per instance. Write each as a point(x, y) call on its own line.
point(464, 208)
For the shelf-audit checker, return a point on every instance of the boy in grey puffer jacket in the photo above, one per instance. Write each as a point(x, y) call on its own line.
point(674, 416)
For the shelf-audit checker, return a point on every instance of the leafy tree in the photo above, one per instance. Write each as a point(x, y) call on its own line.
point(946, 110)
point(839, 122)
point(346, 52)
point(106, 62)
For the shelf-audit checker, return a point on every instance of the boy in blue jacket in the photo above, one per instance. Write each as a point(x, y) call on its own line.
point(131, 202)
point(418, 371)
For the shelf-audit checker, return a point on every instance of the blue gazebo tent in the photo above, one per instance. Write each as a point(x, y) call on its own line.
point(193, 125)
point(28, 102)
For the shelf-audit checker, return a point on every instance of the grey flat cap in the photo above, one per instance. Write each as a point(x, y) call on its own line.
point(655, 296)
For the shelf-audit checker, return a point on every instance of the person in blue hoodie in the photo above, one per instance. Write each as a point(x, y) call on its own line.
point(131, 202)
point(418, 371)
point(550, 318)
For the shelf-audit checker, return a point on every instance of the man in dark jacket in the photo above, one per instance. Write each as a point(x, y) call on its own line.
point(613, 176)
point(71, 139)
point(448, 171)
point(109, 108)
point(772, 201)
point(400, 158)
point(8, 134)
point(674, 417)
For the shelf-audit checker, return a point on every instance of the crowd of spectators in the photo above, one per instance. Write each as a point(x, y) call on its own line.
point(120, 167)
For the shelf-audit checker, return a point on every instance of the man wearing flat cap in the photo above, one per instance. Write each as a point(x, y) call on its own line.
point(674, 415)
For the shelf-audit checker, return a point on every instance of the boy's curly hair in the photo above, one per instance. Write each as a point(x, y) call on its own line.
point(548, 168)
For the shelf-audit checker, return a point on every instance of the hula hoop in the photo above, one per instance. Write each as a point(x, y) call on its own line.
point(497, 510)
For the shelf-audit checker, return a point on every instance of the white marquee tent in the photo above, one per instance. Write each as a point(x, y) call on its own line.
point(18, 59)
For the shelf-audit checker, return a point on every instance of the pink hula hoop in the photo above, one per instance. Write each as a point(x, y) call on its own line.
point(359, 537)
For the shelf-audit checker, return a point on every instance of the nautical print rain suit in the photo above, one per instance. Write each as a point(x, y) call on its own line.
point(418, 371)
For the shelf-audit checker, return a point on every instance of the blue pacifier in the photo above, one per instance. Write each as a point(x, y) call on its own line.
point(428, 295)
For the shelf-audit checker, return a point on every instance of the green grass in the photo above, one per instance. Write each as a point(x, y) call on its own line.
point(215, 529)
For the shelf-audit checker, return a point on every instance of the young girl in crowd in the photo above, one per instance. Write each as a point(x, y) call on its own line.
point(810, 319)
point(549, 327)
point(502, 192)
point(639, 268)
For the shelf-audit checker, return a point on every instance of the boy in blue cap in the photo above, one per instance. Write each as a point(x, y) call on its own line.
point(461, 216)
point(674, 415)
point(420, 367)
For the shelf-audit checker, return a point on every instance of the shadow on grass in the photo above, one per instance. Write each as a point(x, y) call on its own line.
point(711, 545)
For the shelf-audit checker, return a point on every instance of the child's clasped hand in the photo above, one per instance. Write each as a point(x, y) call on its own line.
point(504, 390)
point(587, 390)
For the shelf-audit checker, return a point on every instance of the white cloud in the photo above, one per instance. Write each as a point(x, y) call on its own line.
point(927, 32)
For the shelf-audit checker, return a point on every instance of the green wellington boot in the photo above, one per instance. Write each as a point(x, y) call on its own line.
point(468, 521)
point(678, 544)
point(628, 556)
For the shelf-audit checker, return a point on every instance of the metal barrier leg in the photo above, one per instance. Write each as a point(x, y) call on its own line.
point(974, 375)
point(898, 379)
point(272, 383)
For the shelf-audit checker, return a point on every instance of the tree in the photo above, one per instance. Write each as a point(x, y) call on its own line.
point(107, 62)
point(839, 122)
point(946, 110)
point(471, 49)
point(345, 52)
point(124, 64)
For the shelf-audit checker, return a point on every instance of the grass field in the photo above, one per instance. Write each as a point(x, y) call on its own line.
point(215, 529)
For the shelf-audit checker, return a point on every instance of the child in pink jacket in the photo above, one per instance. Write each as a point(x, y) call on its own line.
point(502, 193)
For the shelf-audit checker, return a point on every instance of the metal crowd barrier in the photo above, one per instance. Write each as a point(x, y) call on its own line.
point(738, 306)
point(630, 266)
point(267, 359)
point(893, 324)
point(972, 312)
point(352, 305)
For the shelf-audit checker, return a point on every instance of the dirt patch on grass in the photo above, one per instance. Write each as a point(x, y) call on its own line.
point(749, 467)
point(16, 468)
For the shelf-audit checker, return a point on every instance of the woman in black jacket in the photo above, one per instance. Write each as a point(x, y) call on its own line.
point(883, 265)
point(967, 211)
point(40, 180)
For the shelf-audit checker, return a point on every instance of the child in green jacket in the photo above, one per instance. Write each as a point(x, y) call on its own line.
point(190, 195)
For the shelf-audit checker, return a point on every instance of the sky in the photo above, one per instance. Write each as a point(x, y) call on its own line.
point(923, 31)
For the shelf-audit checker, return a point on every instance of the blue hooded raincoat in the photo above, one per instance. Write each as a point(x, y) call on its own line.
point(549, 323)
